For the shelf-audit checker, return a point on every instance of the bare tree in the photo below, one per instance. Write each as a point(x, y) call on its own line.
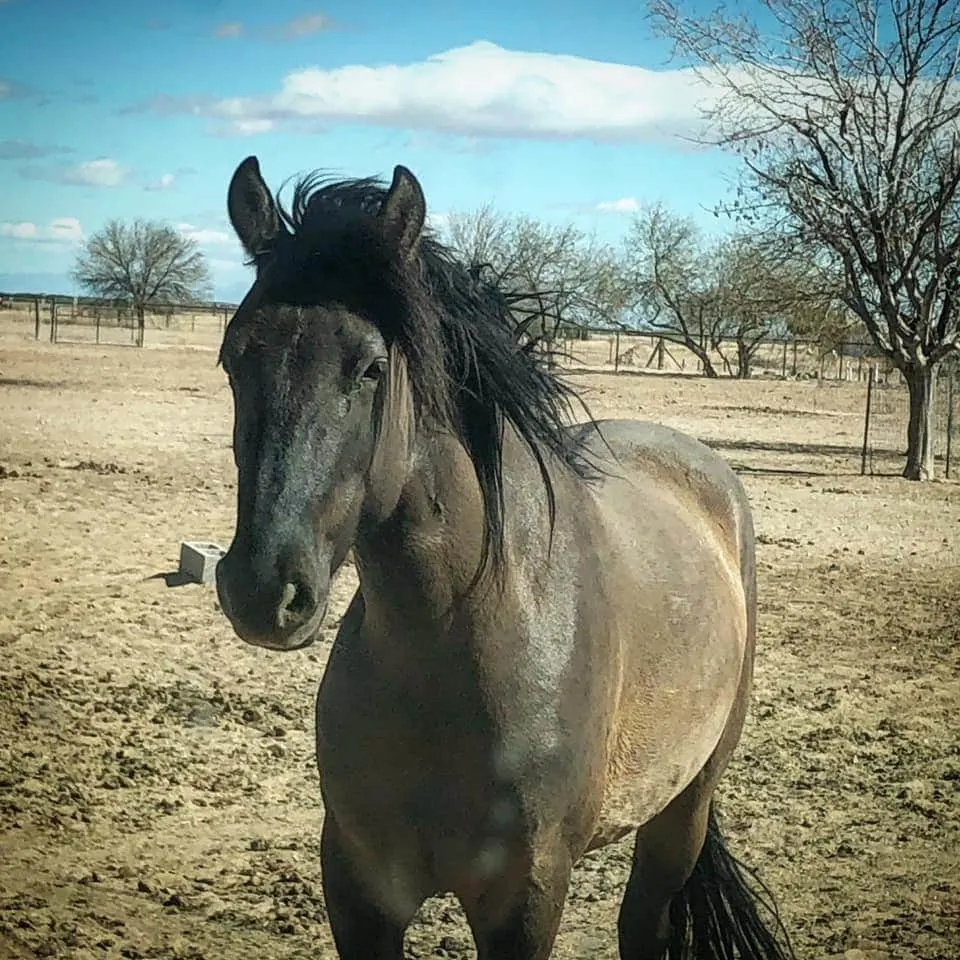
point(828, 322)
point(847, 119)
point(764, 290)
point(553, 271)
point(673, 275)
point(746, 301)
point(142, 263)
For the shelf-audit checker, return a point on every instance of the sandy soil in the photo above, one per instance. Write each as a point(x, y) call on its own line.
point(157, 791)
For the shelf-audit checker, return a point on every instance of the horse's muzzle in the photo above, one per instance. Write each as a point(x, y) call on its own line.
point(279, 615)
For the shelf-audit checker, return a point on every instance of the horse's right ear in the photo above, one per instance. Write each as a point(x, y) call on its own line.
point(252, 211)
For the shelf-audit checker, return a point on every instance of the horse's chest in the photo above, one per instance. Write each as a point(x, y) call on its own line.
point(423, 813)
point(420, 832)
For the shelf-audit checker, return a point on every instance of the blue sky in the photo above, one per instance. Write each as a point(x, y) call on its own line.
point(117, 109)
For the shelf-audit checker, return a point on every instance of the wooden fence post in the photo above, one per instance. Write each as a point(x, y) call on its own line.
point(53, 320)
point(36, 318)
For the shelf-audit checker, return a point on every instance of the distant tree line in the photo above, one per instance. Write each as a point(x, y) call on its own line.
point(719, 298)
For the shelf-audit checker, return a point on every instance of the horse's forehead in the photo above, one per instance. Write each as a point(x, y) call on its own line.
point(313, 332)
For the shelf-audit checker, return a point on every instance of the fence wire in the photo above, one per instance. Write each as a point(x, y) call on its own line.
point(888, 413)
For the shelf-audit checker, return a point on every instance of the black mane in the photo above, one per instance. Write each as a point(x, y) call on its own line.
point(467, 366)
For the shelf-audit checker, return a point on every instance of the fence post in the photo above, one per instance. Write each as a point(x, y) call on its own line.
point(616, 352)
point(53, 320)
point(950, 406)
point(866, 424)
point(36, 318)
point(97, 315)
point(783, 366)
point(794, 358)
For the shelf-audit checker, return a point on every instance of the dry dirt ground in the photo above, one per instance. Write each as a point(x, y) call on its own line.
point(158, 797)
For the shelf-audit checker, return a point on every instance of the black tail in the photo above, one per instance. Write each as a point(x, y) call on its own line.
point(716, 915)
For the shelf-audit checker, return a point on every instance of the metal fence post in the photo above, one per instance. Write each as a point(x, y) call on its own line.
point(950, 408)
point(866, 423)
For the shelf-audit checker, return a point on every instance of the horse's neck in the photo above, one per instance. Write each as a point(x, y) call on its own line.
point(425, 554)
point(423, 559)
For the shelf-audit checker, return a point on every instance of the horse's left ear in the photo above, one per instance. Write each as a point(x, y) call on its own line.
point(403, 211)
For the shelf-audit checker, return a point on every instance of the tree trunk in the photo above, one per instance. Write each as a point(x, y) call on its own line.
point(700, 352)
point(744, 356)
point(141, 324)
point(709, 370)
point(921, 383)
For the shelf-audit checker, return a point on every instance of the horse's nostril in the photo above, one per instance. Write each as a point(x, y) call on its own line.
point(296, 603)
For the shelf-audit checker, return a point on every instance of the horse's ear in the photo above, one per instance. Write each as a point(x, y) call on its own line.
point(253, 213)
point(404, 211)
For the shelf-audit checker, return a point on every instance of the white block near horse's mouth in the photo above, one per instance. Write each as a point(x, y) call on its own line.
point(199, 559)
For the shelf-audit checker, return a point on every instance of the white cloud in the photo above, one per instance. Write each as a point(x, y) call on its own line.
point(205, 236)
point(480, 90)
point(102, 172)
point(245, 128)
point(305, 26)
point(23, 230)
point(66, 230)
point(438, 222)
point(61, 230)
point(229, 30)
point(164, 182)
point(623, 205)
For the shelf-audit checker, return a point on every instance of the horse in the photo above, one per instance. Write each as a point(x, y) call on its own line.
point(552, 641)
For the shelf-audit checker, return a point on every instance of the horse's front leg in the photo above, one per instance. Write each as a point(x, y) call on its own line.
point(522, 925)
point(361, 929)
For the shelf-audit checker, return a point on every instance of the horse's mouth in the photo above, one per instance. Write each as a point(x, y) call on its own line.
point(298, 639)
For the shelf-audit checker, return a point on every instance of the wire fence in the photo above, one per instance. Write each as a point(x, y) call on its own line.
point(886, 399)
point(613, 351)
point(887, 413)
point(81, 320)
point(86, 320)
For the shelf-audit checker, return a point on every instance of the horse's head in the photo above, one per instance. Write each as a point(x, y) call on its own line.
point(322, 410)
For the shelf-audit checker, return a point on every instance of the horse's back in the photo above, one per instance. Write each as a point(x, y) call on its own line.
point(650, 456)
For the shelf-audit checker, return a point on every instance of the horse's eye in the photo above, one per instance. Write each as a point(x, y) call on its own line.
point(375, 370)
